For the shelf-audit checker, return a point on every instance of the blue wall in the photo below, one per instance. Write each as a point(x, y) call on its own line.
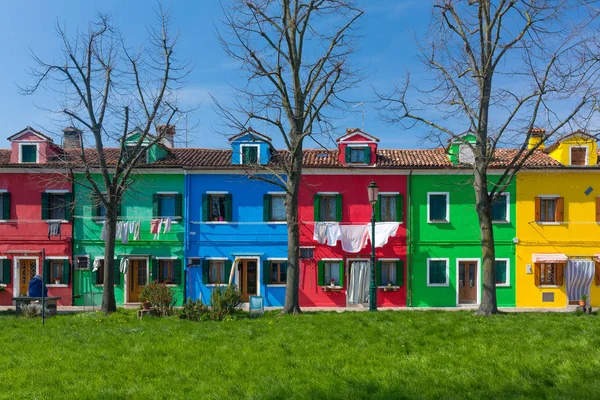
point(247, 236)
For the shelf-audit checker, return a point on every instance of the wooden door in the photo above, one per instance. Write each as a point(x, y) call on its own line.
point(248, 278)
point(137, 279)
point(467, 282)
point(27, 271)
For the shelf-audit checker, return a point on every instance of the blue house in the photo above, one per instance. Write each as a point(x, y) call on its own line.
point(236, 230)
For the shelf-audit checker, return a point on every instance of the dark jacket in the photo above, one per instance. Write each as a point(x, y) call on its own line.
point(35, 287)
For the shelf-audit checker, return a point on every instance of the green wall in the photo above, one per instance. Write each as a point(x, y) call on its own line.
point(458, 239)
point(137, 205)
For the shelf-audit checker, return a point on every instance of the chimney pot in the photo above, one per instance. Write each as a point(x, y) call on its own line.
point(168, 134)
point(71, 138)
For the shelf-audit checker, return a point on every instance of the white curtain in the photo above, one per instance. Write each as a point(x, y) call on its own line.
point(580, 274)
point(358, 285)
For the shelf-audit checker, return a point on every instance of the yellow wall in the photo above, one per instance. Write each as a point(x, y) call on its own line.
point(563, 151)
point(579, 235)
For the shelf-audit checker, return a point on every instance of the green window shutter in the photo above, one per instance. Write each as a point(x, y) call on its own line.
point(45, 211)
point(155, 276)
point(179, 205)
point(6, 271)
point(205, 206)
point(317, 204)
point(228, 207)
point(399, 208)
point(205, 269)
point(342, 273)
point(378, 273)
point(228, 268)
point(6, 202)
point(400, 273)
point(177, 272)
point(155, 206)
point(367, 155)
point(338, 207)
point(116, 271)
point(46, 271)
point(378, 209)
point(266, 272)
point(321, 273)
point(347, 155)
point(266, 207)
point(68, 206)
point(66, 272)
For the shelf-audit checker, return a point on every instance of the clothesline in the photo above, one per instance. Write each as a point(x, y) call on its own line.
point(354, 237)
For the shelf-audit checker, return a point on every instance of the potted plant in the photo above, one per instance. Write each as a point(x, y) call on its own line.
point(583, 300)
point(2, 289)
point(57, 281)
point(332, 282)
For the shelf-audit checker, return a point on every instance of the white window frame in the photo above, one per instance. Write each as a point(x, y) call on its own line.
point(331, 260)
point(61, 285)
point(276, 259)
point(447, 273)
point(283, 222)
point(548, 196)
point(242, 153)
point(447, 221)
point(357, 146)
point(586, 155)
point(2, 191)
point(16, 275)
point(37, 152)
point(217, 222)
point(3, 258)
point(209, 267)
point(507, 284)
point(507, 194)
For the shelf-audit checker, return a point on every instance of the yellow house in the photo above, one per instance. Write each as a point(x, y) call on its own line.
point(558, 228)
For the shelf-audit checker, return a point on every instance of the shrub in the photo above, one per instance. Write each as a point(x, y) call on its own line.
point(160, 297)
point(194, 310)
point(32, 310)
point(224, 302)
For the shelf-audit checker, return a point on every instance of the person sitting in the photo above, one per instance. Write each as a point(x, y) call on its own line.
point(35, 287)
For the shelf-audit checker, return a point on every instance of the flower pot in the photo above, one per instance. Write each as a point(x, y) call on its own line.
point(57, 282)
point(582, 303)
point(146, 305)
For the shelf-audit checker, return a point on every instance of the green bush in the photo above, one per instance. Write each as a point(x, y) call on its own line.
point(160, 297)
point(195, 310)
point(224, 302)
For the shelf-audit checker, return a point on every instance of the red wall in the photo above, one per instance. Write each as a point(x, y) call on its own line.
point(27, 231)
point(355, 209)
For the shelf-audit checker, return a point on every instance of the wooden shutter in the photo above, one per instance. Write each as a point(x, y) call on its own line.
point(266, 207)
point(266, 272)
point(228, 207)
point(560, 212)
point(155, 205)
point(560, 273)
point(45, 211)
point(205, 273)
point(155, 272)
point(597, 267)
point(378, 267)
point(46, 271)
point(537, 274)
point(179, 205)
point(228, 268)
point(66, 272)
point(399, 273)
point(342, 273)
point(338, 207)
point(399, 208)
point(347, 155)
point(538, 207)
point(321, 273)
point(597, 209)
point(177, 272)
point(317, 206)
point(378, 208)
point(116, 271)
point(6, 275)
point(367, 155)
point(6, 206)
point(205, 208)
point(68, 206)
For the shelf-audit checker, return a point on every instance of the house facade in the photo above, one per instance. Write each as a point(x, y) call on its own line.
point(35, 217)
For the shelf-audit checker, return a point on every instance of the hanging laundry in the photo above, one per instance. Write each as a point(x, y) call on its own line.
point(118, 229)
point(327, 232)
point(160, 224)
point(124, 265)
point(54, 229)
point(103, 233)
point(383, 231)
point(154, 226)
point(125, 233)
point(96, 264)
point(354, 237)
point(320, 234)
point(136, 230)
point(167, 228)
point(333, 233)
point(131, 227)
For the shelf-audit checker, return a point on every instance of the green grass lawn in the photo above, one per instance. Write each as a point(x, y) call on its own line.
point(382, 355)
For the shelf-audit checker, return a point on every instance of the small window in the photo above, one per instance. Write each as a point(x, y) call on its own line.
point(388, 208)
point(388, 273)
point(166, 271)
point(249, 155)
point(549, 209)
point(216, 272)
point(332, 273)
point(438, 207)
point(437, 273)
point(56, 271)
point(100, 273)
point(217, 207)
point(167, 205)
point(130, 151)
point(4, 206)
point(57, 206)
point(502, 273)
point(549, 274)
point(278, 272)
point(357, 155)
point(307, 252)
point(328, 209)
point(278, 208)
point(28, 153)
point(500, 208)
point(578, 155)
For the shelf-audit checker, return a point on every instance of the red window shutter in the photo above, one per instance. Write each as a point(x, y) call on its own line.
point(597, 273)
point(537, 209)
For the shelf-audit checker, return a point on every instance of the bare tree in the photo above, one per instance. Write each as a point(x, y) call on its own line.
point(500, 69)
point(108, 89)
point(296, 55)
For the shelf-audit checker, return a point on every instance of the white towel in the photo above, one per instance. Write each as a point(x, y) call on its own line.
point(320, 234)
point(327, 232)
point(96, 264)
point(118, 230)
point(167, 225)
point(125, 232)
point(383, 231)
point(136, 231)
point(131, 226)
point(354, 237)
point(124, 265)
point(333, 233)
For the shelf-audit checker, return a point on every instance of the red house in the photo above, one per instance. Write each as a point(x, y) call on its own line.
point(336, 215)
point(35, 217)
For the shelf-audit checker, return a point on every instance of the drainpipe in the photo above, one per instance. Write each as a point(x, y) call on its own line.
point(185, 231)
point(409, 236)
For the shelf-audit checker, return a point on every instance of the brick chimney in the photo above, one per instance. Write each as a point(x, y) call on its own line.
point(168, 134)
point(536, 135)
point(71, 138)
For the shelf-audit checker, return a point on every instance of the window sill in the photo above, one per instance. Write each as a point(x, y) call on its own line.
point(389, 288)
point(332, 288)
point(57, 285)
point(4, 221)
point(549, 287)
point(438, 285)
point(4, 285)
point(100, 285)
point(502, 284)
point(548, 223)
point(277, 222)
point(438, 222)
point(216, 284)
point(275, 284)
point(62, 221)
point(501, 222)
point(216, 222)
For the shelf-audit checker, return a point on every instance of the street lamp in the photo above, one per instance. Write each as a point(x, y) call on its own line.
point(373, 191)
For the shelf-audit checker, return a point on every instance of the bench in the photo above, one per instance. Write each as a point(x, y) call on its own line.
point(50, 303)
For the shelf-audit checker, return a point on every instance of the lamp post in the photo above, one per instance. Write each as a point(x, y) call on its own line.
point(373, 191)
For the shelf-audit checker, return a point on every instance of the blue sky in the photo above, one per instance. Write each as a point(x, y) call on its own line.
point(386, 51)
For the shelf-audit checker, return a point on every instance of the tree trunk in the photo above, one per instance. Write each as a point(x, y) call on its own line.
point(108, 290)
point(488, 304)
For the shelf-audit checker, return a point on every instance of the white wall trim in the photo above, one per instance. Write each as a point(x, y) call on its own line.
point(389, 193)
point(37, 151)
point(429, 194)
point(242, 153)
point(57, 191)
point(236, 277)
point(215, 258)
point(17, 276)
point(579, 147)
point(327, 193)
point(478, 283)
point(507, 284)
point(447, 273)
point(167, 258)
point(167, 192)
point(125, 275)
point(276, 193)
point(57, 258)
point(276, 259)
point(507, 194)
point(213, 192)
